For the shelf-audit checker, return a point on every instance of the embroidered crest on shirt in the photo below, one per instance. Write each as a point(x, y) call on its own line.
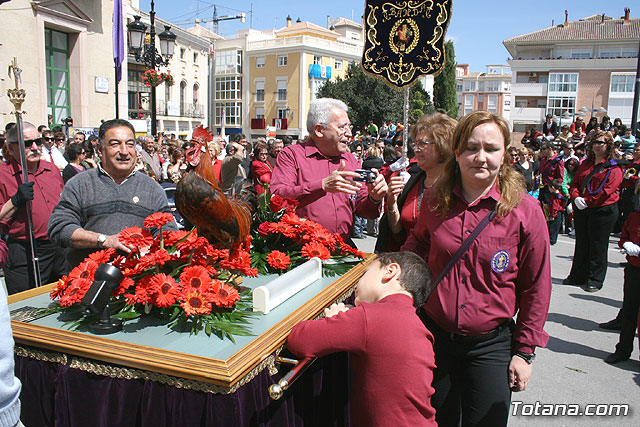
point(500, 261)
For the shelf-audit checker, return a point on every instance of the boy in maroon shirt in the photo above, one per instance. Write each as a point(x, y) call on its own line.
point(392, 351)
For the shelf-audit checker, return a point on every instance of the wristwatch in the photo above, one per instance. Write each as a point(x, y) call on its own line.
point(101, 239)
point(528, 357)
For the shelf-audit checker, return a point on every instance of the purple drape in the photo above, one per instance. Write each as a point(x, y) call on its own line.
point(118, 39)
point(57, 395)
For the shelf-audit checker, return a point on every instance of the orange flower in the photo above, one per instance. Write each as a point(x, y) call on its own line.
point(157, 219)
point(278, 260)
point(223, 295)
point(314, 249)
point(284, 229)
point(195, 304)
point(165, 290)
point(291, 218)
point(126, 283)
point(322, 235)
point(195, 277)
point(136, 237)
point(85, 270)
point(102, 256)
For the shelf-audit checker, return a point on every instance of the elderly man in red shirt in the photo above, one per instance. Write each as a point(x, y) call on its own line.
point(43, 188)
point(319, 172)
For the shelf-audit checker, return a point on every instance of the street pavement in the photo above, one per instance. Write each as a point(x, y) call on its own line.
point(571, 370)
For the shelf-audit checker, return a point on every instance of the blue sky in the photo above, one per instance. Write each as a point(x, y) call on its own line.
point(477, 26)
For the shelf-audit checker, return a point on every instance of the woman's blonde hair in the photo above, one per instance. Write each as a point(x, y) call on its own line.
point(510, 183)
point(441, 127)
point(374, 151)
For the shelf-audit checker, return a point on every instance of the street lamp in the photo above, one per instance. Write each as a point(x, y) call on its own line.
point(147, 54)
point(593, 110)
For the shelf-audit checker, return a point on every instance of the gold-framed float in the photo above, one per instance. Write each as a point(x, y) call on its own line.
point(227, 368)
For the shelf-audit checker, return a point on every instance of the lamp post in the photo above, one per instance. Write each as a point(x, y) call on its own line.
point(147, 54)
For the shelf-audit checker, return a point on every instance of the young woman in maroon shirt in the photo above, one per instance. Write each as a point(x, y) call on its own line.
point(260, 169)
point(594, 191)
point(481, 355)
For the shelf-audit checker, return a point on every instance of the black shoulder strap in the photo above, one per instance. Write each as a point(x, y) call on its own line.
point(608, 164)
point(465, 245)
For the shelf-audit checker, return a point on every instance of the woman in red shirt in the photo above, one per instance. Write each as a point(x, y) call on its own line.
point(432, 147)
point(260, 169)
point(481, 355)
point(594, 191)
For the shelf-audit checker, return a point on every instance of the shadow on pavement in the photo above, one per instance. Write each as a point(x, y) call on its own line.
point(596, 298)
point(573, 322)
point(558, 345)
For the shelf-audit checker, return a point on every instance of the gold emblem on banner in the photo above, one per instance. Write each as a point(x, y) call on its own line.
point(405, 39)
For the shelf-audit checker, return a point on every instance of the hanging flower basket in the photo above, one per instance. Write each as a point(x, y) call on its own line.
point(152, 78)
point(168, 79)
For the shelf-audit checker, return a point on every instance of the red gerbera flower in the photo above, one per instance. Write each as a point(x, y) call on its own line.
point(195, 304)
point(164, 289)
point(59, 288)
point(75, 292)
point(284, 229)
point(195, 277)
point(85, 270)
point(223, 295)
point(140, 296)
point(278, 260)
point(102, 256)
point(126, 283)
point(315, 249)
point(157, 219)
point(292, 219)
point(135, 237)
point(322, 235)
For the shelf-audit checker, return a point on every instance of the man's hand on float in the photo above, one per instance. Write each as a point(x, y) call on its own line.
point(338, 181)
point(334, 309)
point(113, 242)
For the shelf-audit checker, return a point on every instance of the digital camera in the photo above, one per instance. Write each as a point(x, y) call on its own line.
point(365, 176)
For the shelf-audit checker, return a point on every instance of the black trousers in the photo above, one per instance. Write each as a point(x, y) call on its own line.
point(18, 273)
point(629, 312)
point(590, 255)
point(471, 380)
point(554, 228)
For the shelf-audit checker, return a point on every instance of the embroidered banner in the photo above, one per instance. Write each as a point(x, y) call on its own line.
point(404, 39)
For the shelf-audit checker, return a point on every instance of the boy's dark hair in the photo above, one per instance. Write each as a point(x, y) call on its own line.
point(415, 276)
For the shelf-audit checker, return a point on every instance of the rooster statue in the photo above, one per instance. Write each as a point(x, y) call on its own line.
point(199, 198)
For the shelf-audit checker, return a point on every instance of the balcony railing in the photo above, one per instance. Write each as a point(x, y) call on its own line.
point(258, 123)
point(186, 110)
point(279, 123)
point(528, 115)
point(529, 89)
point(341, 47)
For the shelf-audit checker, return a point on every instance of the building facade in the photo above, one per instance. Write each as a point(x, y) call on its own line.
point(578, 67)
point(265, 80)
point(183, 106)
point(488, 91)
point(54, 42)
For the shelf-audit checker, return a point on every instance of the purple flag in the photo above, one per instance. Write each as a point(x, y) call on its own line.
point(118, 38)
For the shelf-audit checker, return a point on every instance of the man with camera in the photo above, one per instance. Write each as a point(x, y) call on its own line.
point(320, 172)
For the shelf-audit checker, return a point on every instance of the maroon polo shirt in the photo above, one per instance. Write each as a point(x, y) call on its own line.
point(631, 233)
point(551, 169)
point(505, 271)
point(298, 174)
point(604, 184)
point(46, 193)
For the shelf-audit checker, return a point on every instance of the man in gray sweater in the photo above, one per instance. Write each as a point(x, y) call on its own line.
point(97, 204)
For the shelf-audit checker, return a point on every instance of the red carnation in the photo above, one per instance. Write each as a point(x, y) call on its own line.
point(278, 260)
point(314, 249)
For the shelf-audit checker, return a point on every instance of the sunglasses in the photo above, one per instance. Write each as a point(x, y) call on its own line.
point(47, 138)
point(60, 139)
point(29, 142)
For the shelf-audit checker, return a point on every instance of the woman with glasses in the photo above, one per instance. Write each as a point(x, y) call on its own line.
point(76, 154)
point(482, 355)
point(431, 137)
point(260, 169)
point(594, 191)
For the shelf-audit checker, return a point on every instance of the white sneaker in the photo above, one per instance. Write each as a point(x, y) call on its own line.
point(572, 233)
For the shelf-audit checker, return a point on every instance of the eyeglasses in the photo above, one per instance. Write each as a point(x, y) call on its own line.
point(29, 142)
point(421, 145)
point(344, 128)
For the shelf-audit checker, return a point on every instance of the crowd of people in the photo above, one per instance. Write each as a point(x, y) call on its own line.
point(458, 195)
